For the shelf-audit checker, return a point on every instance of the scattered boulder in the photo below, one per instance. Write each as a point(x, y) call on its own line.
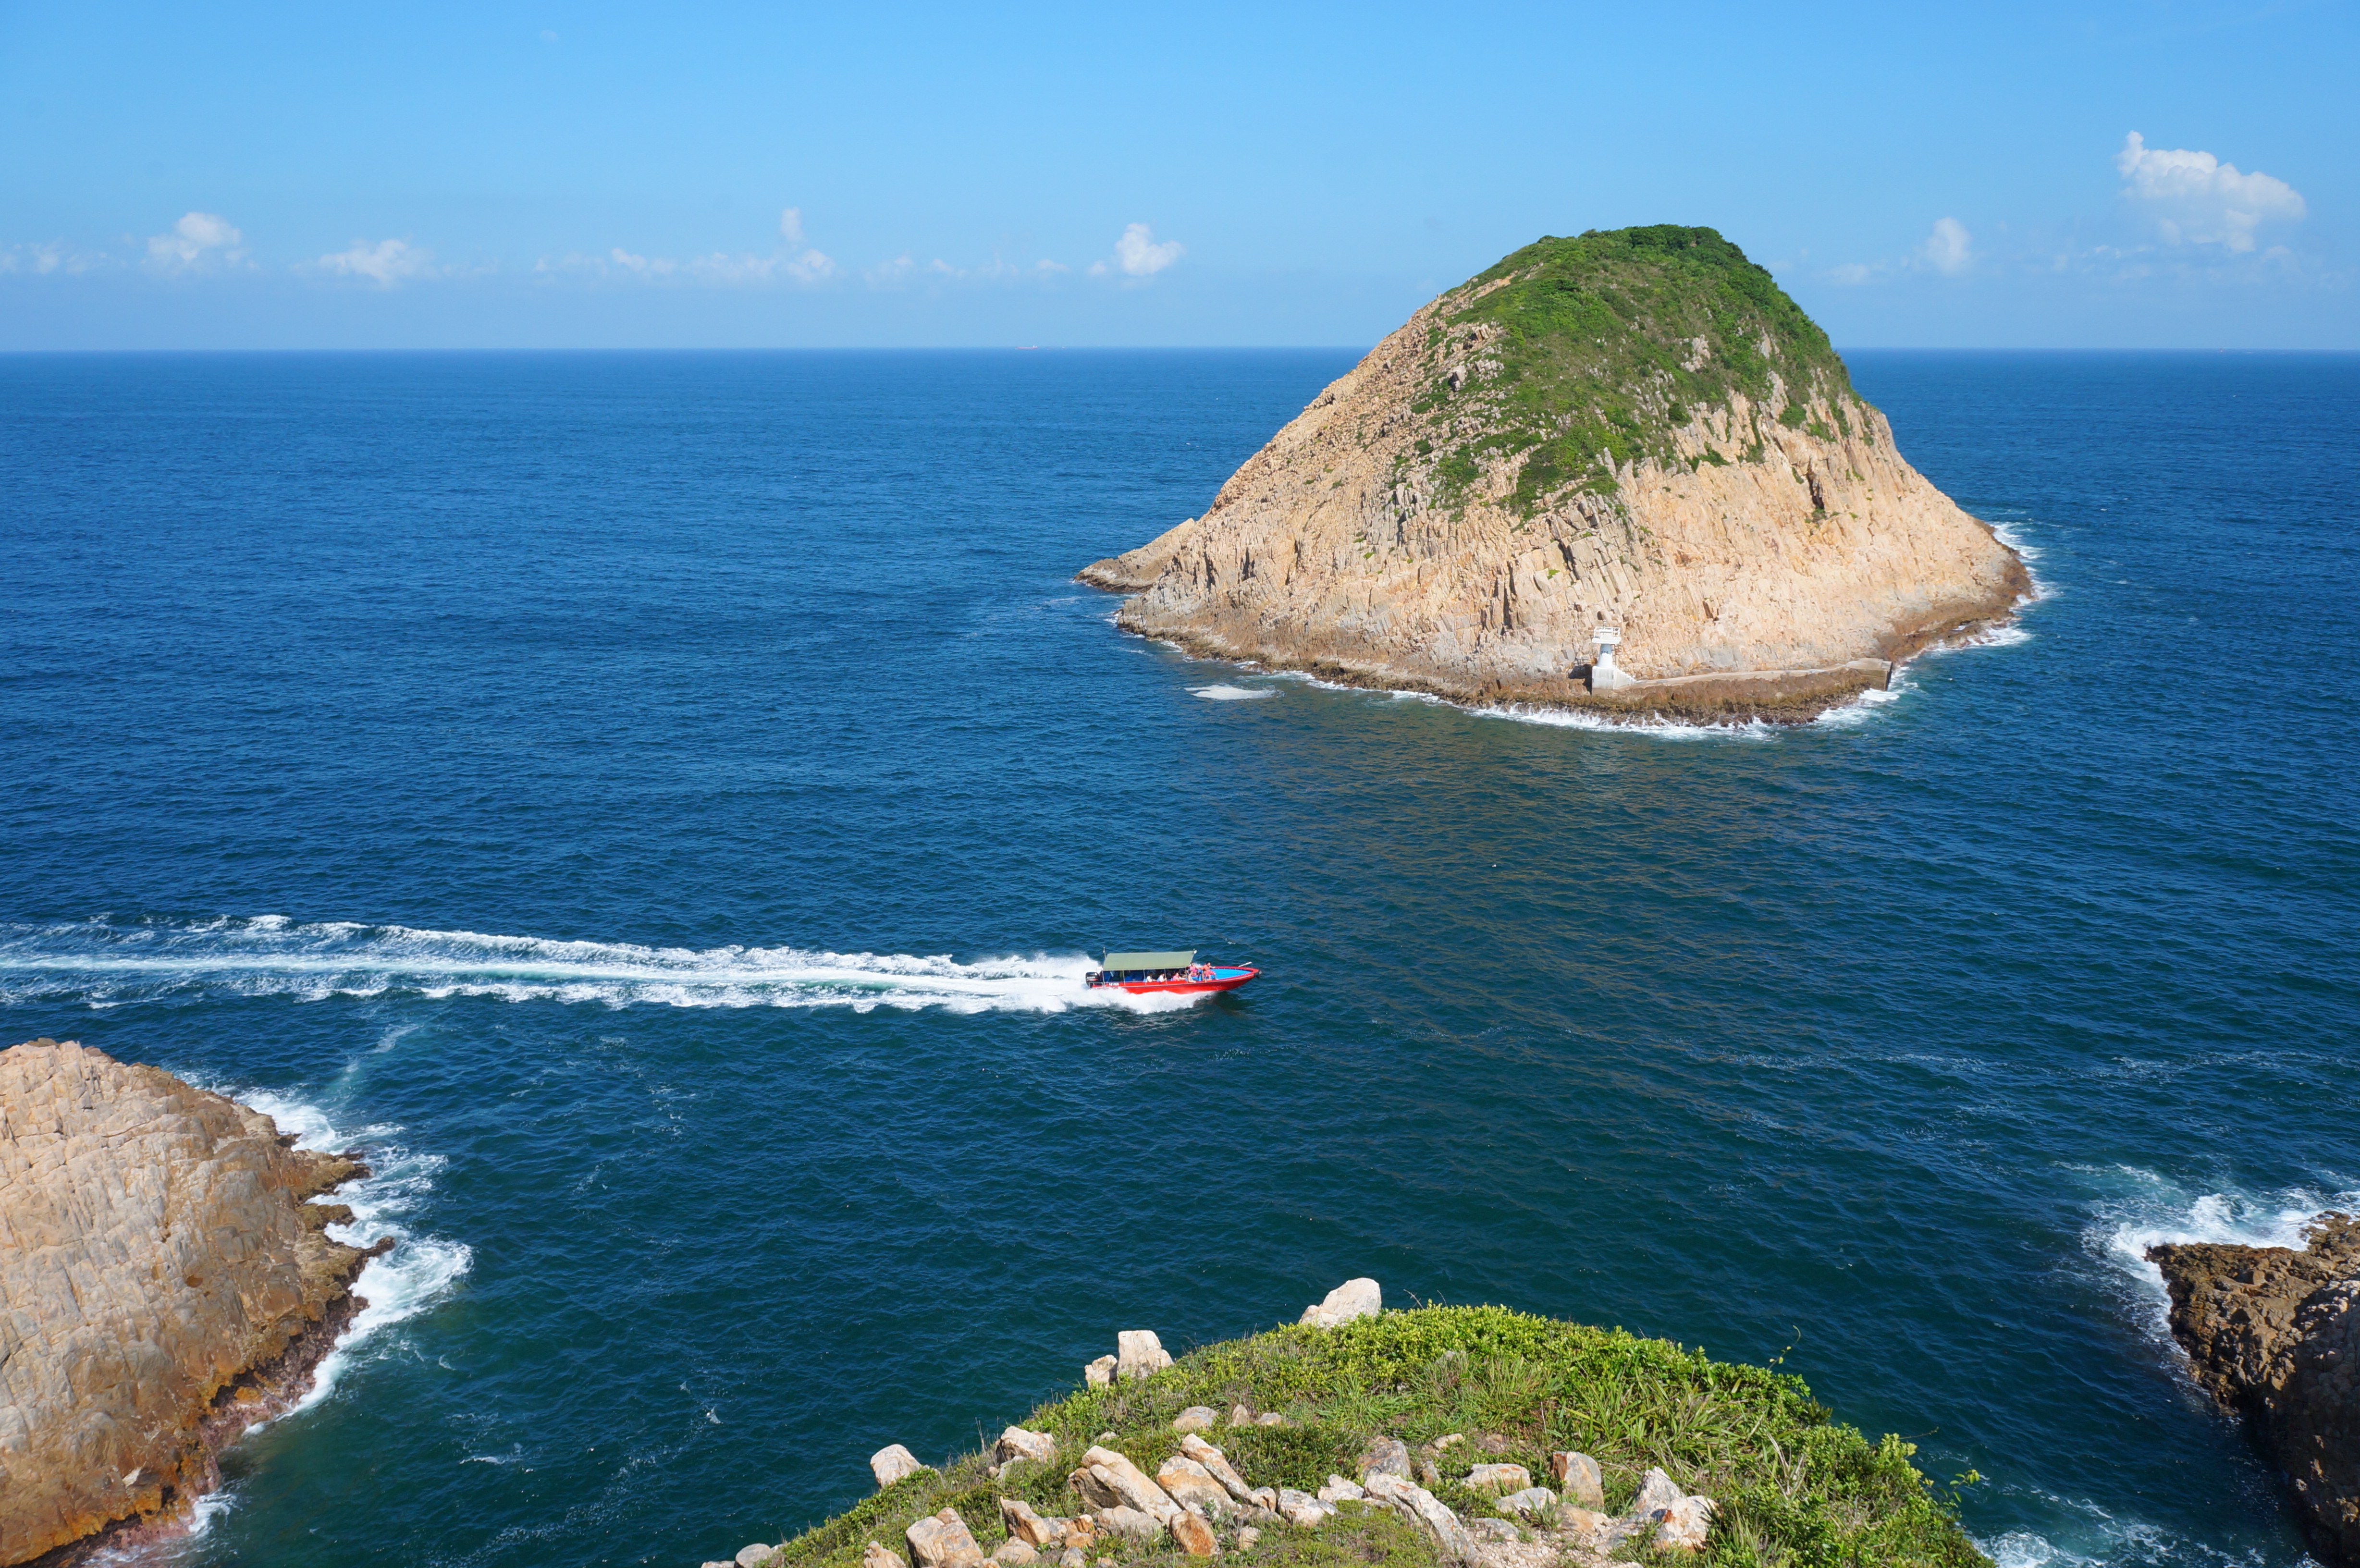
point(1339, 1489)
point(1449, 1536)
point(944, 1541)
point(1446, 1441)
point(1685, 1525)
point(1578, 1476)
point(892, 1463)
point(1492, 1529)
point(1586, 1525)
point(1082, 1531)
point(1303, 1510)
point(1530, 1500)
point(754, 1554)
point(1187, 1482)
point(1110, 1480)
point(1016, 1444)
point(1271, 1418)
point(1194, 1536)
point(1132, 1522)
point(1247, 1537)
point(2274, 1333)
point(1384, 1456)
point(1498, 1478)
point(1099, 1373)
point(1014, 1552)
point(1352, 1298)
point(1241, 1416)
point(1017, 1517)
point(876, 1554)
point(1658, 1491)
point(1073, 1557)
point(1138, 1354)
point(1196, 1418)
point(1218, 1466)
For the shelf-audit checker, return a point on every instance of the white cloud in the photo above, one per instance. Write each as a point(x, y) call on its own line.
point(42, 259)
point(659, 267)
point(1138, 254)
point(1949, 249)
point(197, 238)
point(386, 263)
point(811, 266)
point(1047, 268)
point(791, 224)
point(2195, 199)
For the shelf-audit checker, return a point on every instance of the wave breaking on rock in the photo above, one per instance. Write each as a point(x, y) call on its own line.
point(168, 1282)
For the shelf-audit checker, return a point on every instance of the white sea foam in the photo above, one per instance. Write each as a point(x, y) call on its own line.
point(1232, 693)
point(2141, 1209)
point(2081, 1534)
point(416, 1273)
point(98, 964)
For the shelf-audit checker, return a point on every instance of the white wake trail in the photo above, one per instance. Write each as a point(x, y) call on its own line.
point(101, 964)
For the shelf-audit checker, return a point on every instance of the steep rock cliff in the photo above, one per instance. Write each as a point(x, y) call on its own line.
point(2274, 1335)
point(163, 1281)
point(1635, 428)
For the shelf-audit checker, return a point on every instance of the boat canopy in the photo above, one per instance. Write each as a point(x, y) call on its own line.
point(1120, 962)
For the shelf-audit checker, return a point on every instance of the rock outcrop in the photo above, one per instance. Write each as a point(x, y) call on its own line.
point(1634, 429)
point(2274, 1335)
point(165, 1282)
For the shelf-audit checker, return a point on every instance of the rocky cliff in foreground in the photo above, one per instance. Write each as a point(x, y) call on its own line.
point(1635, 428)
point(165, 1282)
point(2274, 1335)
point(1441, 1437)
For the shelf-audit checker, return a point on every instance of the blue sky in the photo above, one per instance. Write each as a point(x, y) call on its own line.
point(576, 175)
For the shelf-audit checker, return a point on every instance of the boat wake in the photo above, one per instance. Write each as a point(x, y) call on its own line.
point(103, 964)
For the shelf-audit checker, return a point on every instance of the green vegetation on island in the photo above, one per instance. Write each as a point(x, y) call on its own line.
point(1791, 1489)
point(1585, 355)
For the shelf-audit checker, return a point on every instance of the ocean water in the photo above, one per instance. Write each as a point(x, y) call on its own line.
point(657, 805)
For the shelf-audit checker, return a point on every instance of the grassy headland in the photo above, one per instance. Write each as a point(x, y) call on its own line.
point(1795, 1489)
point(1592, 351)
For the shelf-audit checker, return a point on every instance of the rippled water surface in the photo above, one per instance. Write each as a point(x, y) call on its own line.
point(658, 805)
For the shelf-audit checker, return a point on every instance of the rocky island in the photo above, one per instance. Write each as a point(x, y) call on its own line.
point(1440, 1437)
point(2274, 1335)
point(1634, 429)
point(166, 1283)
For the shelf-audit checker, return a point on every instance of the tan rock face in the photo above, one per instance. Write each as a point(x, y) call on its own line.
point(164, 1281)
point(1786, 535)
point(2275, 1335)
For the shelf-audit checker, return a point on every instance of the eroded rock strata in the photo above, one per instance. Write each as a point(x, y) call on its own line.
point(2274, 1335)
point(1635, 428)
point(166, 1281)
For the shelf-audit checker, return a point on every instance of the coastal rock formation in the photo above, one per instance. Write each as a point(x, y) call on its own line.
point(1634, 430)
point(2274, 1335)
point(165, 1282)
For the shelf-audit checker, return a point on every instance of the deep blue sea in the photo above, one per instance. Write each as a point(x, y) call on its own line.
point(656, 805)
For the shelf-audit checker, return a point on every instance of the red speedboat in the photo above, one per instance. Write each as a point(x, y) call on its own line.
point(1140, 973)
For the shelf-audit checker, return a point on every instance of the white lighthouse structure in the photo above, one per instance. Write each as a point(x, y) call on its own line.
point(1604, 674)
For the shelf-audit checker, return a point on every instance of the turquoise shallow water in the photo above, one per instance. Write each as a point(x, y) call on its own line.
point(657, 805)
